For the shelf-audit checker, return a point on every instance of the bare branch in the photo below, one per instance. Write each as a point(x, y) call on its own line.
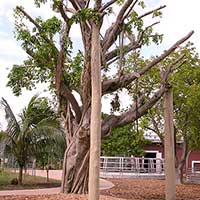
point(114, 84)
point(167, 52)
point(143, 32)
point(115, 53)
point(165, 75)
point(111, 61)
point(180, 65)
point(130, 9)
point(29, 17)
point(151, 129)
point(109, 123)
point(124, 8)
point(114, 30)
point(78, 4)
point(69, 96)
point(70, 10)
point(105, 6)
point(131, 115)
point(111, 120)
point(158, 132)
point(150, 12)
point(156, 128)
point(62, 12)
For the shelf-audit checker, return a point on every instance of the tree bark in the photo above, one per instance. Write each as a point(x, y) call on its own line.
point(20, 175)
point(170, 184)
point(95, 125)
point(187, 160)
point(179, 169)
point(47, 170)
point(76, 158)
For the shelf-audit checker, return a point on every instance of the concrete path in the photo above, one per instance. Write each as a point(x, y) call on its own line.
point(54, 174)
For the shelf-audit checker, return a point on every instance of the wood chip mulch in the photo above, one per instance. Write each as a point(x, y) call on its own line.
point(129, 189)
point(56, 197)
point(138, 189)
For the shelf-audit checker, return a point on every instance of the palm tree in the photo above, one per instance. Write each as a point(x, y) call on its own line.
point(37, 126)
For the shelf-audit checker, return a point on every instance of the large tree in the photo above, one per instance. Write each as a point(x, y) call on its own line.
point(51, 61)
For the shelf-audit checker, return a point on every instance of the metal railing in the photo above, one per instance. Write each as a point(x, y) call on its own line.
point(132, 165)
point(193, 175)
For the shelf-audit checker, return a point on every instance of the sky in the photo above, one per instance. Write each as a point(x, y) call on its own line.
point(179, 17)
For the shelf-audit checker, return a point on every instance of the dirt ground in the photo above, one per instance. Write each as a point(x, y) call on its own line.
point(126, 189)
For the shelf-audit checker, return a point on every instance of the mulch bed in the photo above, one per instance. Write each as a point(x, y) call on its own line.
point(138, 189)
point(57, 197)
point(126, 189)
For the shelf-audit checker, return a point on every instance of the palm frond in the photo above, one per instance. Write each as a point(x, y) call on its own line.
point(38, 128)
point(13, 127)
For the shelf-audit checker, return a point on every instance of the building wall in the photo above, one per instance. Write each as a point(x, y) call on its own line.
point(193, 159)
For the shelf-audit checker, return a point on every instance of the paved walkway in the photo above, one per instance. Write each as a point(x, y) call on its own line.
point(54, 174)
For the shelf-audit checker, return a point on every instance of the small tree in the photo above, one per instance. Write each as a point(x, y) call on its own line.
point(185, 83)
point(51, 154)
point(37, 124)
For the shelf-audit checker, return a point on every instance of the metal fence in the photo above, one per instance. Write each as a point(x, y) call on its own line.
point(116, 164)
point(193, 175)
point(132, 165)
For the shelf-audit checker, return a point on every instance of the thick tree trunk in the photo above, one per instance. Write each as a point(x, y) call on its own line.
point(75, 176)
point(76, 159)
point(20, 175)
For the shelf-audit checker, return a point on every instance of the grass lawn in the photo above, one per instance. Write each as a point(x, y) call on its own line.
point(29, 182)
